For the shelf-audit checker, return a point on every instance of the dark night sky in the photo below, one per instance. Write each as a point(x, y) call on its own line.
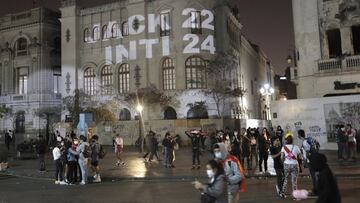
point(267, 23)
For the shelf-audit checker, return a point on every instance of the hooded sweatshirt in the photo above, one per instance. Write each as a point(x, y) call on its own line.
point(232, 171)
point(328, 190)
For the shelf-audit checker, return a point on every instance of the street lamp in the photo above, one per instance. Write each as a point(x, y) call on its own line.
point(266, 91)
point(139, 108)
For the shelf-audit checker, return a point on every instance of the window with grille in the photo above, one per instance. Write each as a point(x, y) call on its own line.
point(21, 47)
point(165, 24)
point(105, 32)
point(22, 80)
point(106, 80)
point(86, 35)
point(195, 22)
point(125, 28)
point(169, 75)
point(195, 73)
point(115, 30)
point(124, 78)
point(96, 33)
point(89, 81)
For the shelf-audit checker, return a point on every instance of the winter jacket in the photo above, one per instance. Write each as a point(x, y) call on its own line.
point(217, 189)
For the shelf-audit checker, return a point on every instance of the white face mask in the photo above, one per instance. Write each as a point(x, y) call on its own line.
point(218, 155)
point(235, 133)
point(210, 173)
point(227, 137)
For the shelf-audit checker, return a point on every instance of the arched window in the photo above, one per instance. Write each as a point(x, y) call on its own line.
point(96, 33)
point(169, 76)
point(87, 35)
point(89, 81)
point(21, 47)
point(125, 28)
point(195, 73)
point(104, 32)
point(170, 113)
point(115, 30)
point(20, 122)
point(124, 78)
point(125, 115)
point(106, 80)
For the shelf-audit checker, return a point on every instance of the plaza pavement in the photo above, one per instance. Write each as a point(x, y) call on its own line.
point(137, 169)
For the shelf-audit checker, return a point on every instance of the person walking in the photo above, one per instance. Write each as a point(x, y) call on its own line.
point(309, 147)
point(59, 178)
point(275, 151)
point(119, 147)
point(233, 172)
point(215, 190)
point(195, 143)
point(84, 152)
point(264, 144)
point(95, 150)
point(290, 153)
point(153, 148)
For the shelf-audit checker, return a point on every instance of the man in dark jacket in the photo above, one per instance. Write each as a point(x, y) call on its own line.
point(328, 190)
point(7, 139)
point(195, 143)
point(41, 150)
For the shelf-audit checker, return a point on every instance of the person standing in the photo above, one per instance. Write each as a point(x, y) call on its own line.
point(72, 163)
point(275, 151)
point(290, 153)
point(279, 134)
point(59, 178)
point(215, 190)
point(168, 145)
point(119, 147)
point(195, 143)
point(245, 148)
point(235, 145)
point(84, 153)
point(309, 147)
point(41, 150)
point(351, 134)
point(95, 150)
point(264, 144)
point(253, 144)
point(153, 148)
point(233, 172)
point(8, 139)
point(148, 140)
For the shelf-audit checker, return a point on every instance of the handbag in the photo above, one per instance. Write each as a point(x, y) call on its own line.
point(205, 198)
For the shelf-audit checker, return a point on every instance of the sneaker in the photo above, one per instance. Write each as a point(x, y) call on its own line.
point(282, 195)
point(193, 167)
point(57, 182)
point(97, 180)
point(198, 167)
point(82, 183)
point(95, 176)
point(123, 163)
point(62, 183)
point(118, 163)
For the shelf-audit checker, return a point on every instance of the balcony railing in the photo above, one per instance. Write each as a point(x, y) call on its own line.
point(349, 63)
point(15, 98)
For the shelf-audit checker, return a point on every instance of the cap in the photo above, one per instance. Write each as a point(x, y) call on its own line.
point(288, 135)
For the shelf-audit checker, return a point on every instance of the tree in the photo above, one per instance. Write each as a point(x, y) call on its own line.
point(76, 104)
point(51, 115)
point(147, 96)
point(102, 114)
point(3, 111)
point(220, 71)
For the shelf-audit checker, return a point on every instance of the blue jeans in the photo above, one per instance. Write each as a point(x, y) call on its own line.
point(168, 156)
point(83, 169)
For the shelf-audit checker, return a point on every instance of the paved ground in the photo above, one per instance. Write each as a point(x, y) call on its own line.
point(27, 190)
point(136, 168)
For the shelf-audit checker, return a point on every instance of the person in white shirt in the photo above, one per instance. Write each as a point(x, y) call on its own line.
point(58, 164)
point(290, 153)
point(351, 134)
point(119, 146)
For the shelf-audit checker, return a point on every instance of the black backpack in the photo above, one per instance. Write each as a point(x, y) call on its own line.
point(87, 151)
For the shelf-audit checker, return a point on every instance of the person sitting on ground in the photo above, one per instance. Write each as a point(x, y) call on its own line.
point(215, 190)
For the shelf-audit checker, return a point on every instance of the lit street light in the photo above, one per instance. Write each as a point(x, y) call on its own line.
point(140, 108)
point(266, 92)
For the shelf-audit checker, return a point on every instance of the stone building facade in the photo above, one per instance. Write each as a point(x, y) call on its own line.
point(327, 40)
point(114, 49)
point(30, 68)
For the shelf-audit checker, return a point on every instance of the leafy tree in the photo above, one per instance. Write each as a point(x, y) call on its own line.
point(3, 111)
point(51, 115)
point(220, 71)
point(102, 114)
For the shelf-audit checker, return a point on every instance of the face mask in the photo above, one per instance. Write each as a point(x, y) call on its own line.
point(235, 133)
point(218, 155)
point(210, 173)
point(227, 137)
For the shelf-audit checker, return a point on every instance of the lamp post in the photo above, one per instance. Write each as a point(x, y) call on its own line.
point(140, 108)
point(266, 91)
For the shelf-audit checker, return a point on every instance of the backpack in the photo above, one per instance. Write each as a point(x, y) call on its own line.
point(87, 151)
point(314, 145)
point(102, 152)
point(232, 158)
